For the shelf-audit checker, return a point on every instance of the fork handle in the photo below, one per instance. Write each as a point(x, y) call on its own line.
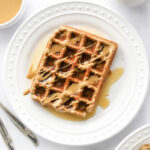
point(27, 132)
point(6, 136)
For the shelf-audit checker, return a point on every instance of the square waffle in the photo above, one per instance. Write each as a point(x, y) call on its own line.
point(72, 70)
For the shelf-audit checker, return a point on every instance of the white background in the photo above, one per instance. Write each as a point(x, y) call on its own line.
point(138, 16)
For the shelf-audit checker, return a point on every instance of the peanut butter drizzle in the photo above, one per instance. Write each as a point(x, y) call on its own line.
point(8, 9)
point(74, 40)
point(56, 48)
point(41, 76)
point(51, 98)
point(106, 50)
point(93, 79)
point(72, 89)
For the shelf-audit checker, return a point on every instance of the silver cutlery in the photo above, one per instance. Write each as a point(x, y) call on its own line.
point(27, 132)
point(6, 136)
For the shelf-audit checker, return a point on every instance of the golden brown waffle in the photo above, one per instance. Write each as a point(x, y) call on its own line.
point(72, 70)
point(145, 147)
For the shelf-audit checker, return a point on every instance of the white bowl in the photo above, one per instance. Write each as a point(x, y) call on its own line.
point(130, 2)
point(15, 18)
point(135, 139)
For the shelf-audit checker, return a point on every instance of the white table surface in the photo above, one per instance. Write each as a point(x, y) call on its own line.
point(138, 16)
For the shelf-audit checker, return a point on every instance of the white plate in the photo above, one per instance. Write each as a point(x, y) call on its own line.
point(136, 139)
point(126, 96)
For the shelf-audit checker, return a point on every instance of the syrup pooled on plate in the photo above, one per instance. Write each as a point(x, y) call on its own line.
point(113, 77)
point(36, 58)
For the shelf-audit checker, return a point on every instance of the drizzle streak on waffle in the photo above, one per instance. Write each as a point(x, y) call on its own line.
point(72, 70)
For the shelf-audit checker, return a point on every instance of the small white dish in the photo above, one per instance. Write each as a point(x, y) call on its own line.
point(126, 96)
point(136, 139)
point(15, 18)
